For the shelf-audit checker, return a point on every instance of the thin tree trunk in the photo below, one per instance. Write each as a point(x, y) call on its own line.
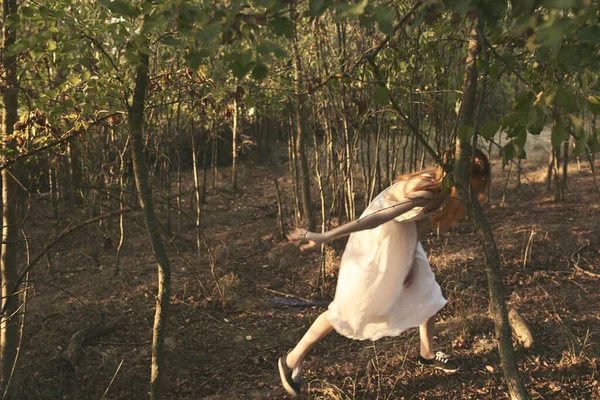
point(565, 164)
point(205, 166)
point(294, 171)
point(178, 155)
point(53, 191)
point(549, 171)
point(376, 178)
point(214, 158)
point(196, 182)
point(304, 172)
point(9, 327)
point(122, 184)
point(558, 187)
point(234, 131)
point(482, 228)
point(136, 121)
point(76, 172)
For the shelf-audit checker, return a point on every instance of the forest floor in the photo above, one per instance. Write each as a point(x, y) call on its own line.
point(226, 346)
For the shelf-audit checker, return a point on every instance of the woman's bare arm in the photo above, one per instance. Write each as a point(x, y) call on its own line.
point(313, 239)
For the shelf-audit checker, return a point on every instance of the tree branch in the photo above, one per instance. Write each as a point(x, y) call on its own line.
point(70, 135)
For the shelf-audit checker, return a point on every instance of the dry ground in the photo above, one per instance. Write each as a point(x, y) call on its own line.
point(229, 351)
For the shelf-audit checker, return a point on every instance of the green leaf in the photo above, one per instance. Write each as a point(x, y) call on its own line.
point(549, 36)
point(351, 10)
point(13, 20)
point(520, 137)
point(594, 100)
point(195, 58)
point(594, 142)
point(560, 4)
point(576, 121)
point(594, 104)
point(239, 69)
point(209, 32)
point(381, 95)
point(18, 47)
point(580, 144)
point(385, 19)
point(170, 41)
point(241, 63)
point(524, 101)
point(282, 26)
point(521, 6)
point(510, 120)
point(571, 56)
point(559, 134)
point(507, 153)
point(318, 7)
point(260, 71)
point(51, 45)
point(74, 79)
point(566, 99)
point(27, 11)
point(465, 132)
point(535, 121)
point(489, 130)
point(120, 7)
point(154, 22)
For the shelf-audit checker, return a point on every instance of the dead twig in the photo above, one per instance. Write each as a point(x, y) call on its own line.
point(113, 379)
point(273, 291)
point(576, 262)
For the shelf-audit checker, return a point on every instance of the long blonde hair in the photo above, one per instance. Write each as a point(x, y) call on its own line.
point(446, 208)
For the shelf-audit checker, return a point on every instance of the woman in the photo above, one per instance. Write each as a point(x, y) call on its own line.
point(385, 284)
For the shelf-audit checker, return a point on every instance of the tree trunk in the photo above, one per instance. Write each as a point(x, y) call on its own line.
point(53, 191)
point(136, 120)
point(234, 131)
point(484, 233)
point(197, 181)
point(9, 327)
point(565, 165)
point(304, 172)
point(76, 173)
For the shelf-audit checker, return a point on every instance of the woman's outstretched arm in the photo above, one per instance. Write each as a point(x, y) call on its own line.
point(373, 220)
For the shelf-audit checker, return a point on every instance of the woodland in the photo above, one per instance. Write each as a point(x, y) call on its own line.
point(154, 154)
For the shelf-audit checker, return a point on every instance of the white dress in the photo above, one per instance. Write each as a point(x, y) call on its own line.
point(371, 300)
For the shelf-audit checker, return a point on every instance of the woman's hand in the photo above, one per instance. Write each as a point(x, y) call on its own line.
point(307, 240)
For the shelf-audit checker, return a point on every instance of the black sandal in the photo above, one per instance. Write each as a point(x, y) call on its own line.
point(291, 385)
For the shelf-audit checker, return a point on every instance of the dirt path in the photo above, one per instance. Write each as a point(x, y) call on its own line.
point(230, 351)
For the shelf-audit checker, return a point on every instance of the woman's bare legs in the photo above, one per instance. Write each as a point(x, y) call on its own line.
point(426, 334)
point(428, 358)
point(317, 331)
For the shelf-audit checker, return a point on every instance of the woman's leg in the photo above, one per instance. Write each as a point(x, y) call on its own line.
point(428, 357)
point(317, 331)
point(426, 334)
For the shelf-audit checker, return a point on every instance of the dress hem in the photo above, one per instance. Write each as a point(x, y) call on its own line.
point(336, 323)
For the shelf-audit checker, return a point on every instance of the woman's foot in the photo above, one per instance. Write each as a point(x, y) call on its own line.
point(439, 361)
point(290, 378)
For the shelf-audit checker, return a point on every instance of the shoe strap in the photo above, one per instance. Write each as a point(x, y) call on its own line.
point(442, 357)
